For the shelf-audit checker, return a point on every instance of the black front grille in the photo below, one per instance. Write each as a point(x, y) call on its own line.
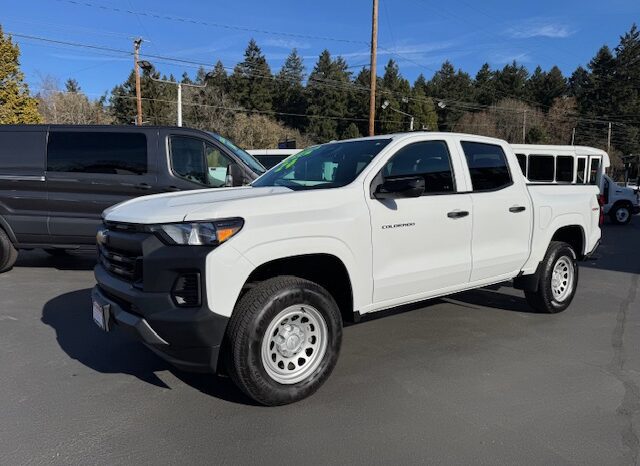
point(121, 264)
point(120, 250)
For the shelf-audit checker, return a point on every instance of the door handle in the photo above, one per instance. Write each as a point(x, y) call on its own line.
point(143, 186)
point(458, 214)
point(172, 189)
point(517, 208)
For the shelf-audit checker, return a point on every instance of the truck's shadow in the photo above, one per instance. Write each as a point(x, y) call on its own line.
point(69, 315)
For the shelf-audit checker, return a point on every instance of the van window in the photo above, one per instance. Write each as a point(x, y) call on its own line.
point(593, 171)
point(22, 152)
point(428, 159)
point(198, 161)
point(97, 152)
point(541, 167)
point(582, 164)
point(564, 168)
point(522, 161)
point(487, 166)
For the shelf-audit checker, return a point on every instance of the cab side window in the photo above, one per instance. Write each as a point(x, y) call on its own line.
point(487, 166)
point(198, 161)
point(428, 159)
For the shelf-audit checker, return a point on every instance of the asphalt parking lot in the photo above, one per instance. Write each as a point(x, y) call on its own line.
point(475, 378)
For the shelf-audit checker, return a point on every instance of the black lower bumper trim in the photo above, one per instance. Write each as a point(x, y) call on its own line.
point(202, 358)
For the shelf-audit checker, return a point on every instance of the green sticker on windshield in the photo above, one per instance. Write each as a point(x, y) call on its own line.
point(291, 161)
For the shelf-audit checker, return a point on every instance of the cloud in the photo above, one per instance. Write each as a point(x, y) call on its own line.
point(509, 57)
point(540, 27)
point(286, 43)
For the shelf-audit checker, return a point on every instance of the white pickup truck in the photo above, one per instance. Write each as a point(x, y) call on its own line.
point(257, 281)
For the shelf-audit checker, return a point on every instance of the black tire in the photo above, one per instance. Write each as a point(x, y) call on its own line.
point(57, 252)
point(8, 252)
point(544, 299)
point(620, 215)
point(253, 315)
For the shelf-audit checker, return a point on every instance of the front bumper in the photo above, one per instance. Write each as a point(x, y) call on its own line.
point(187, 337)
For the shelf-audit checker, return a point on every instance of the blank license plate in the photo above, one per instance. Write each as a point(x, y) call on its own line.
point(100, 316)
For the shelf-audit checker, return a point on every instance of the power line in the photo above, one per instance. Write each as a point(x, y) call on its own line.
point(350, 86)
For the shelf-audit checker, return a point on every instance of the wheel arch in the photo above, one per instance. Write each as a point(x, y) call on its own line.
point(325, 269)
point(8, 230)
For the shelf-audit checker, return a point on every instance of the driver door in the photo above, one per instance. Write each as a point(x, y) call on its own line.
point(421, 245)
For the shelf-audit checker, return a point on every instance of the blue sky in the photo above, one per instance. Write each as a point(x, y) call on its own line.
point(419, 34)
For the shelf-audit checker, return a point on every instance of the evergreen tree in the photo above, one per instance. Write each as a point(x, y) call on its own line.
point(158, 100)
point(351, 132)
point(626, 91)
point(577, 82)
point(358, 101)
point(422, 108)
point(289, 91)
point(450, 86)
point(16, 105)
point(72, 86)
point(484, 85)
point(511, 81)
point(543, 88)
point(252, 81)
point(328, 97)
point(396, 90)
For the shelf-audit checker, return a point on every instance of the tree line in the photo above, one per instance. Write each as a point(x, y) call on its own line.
point(256, 107)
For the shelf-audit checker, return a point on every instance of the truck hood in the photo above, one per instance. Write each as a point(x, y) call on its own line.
point(175, 207)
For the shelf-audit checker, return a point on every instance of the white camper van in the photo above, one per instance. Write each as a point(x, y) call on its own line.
point(578, 165)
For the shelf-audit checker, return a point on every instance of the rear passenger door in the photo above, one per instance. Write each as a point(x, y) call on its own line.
point(501, 212)
point(423, 244)
point(90, 170)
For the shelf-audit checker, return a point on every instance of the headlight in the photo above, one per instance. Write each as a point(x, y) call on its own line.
point(198, 233)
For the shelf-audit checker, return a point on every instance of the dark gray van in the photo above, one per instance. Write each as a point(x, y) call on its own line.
point(55, 181)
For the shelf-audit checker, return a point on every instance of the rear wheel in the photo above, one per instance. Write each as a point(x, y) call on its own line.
point(621, 214)
point(8, 253)
point(283, 340)
point(558, 280)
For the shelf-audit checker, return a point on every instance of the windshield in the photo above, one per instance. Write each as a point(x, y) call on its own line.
point(246, 157)
point(326, 166)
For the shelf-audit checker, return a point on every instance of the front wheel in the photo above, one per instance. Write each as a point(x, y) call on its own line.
point(621, 215)
point(8, 252)
point(558, 280)
point(283, 340)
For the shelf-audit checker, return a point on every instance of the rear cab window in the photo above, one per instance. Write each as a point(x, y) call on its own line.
point(114, 153)
point(488, 166)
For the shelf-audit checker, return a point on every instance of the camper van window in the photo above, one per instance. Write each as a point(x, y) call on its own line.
point(522, 161)
point(541, 167)
point(582, 163)
point(593, 172)
point(564, 169)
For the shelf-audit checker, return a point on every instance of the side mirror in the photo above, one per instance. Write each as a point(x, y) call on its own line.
point(394, 188)
point(235, 175)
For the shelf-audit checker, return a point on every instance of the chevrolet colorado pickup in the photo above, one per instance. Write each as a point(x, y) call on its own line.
point(256, 281)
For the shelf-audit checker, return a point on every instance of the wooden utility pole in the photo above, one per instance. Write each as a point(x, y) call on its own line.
point(136, 67)
point(609, 139)
point(373, 67)
point(524, 128)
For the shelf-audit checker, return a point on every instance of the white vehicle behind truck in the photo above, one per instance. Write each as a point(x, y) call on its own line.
point(578, 165)
point(256, 282)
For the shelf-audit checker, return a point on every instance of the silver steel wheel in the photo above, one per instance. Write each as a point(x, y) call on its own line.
point(294, 344)
point(562, 278)
point(622, 214)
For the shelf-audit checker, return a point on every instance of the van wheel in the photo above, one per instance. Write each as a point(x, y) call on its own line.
point(558, 280)
point(283, 340)
point(620, 215)
point(8, 253)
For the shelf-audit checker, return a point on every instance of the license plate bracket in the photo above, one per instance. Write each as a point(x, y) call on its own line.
point(101, 315)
